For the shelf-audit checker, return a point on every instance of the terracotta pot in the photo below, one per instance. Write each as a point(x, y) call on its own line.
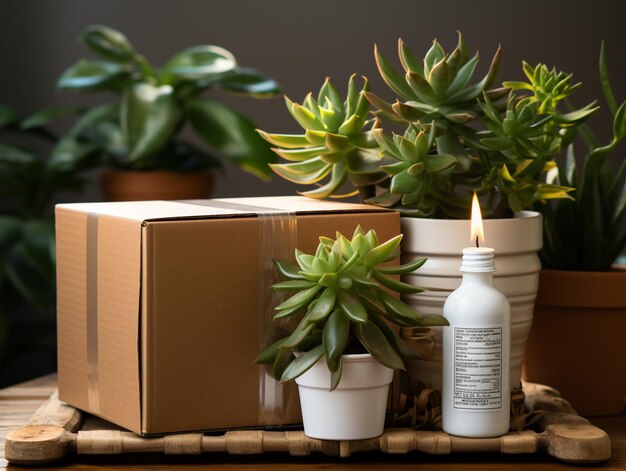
point(577, 343)
point(516, 242)
point(123, 185)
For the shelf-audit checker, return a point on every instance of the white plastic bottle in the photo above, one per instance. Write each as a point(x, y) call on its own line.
point(476, 392)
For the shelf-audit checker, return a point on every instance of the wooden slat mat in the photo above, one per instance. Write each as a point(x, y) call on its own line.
point(58, 430)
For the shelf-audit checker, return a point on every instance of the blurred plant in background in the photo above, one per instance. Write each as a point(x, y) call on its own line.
point(141, 130)
point(589, 232)
point(30, 180)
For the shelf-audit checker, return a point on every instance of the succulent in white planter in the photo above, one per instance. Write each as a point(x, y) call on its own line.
point(344, 349)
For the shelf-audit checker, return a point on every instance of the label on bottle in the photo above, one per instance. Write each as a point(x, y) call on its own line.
point(478, 367)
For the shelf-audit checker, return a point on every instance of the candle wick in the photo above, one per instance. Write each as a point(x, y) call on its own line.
point(477, 242)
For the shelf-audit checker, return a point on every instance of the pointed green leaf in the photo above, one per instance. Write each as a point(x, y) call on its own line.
point(302, 364)
point(251, 82)
point(352, 97)
point(351, 307)
point(268, 355)
point(324, 305)
point(305, 118)
point(463, 76)
point(335, 374)
point(391, 77)
point(299, 177)
point(379, 103)
point(408, 59)
point(376, 256)
point(330, 92)
point(434, 55)
point(399, 345)
point(281, 362)
point(378, 346)
point(92, 74)
point(200, 62)
point(336, 142)
point(398, 309)
point(421, 88)
point(498, 143)
point(149, 116)
point(395, 285)
point(299, 299)
point(299, 155)
point(605, 82)
point(351, 126)
point(293, 285)
point(297, 337)
point(619, 122)
point(287, 270)
point(404, 183)
point(403, 269)
point(108, 42)
point(439, 78)
point(438, 163)
point(232, 135)
point(335, 336)
point(338, 177)
point(286, 141)
point(305, 167)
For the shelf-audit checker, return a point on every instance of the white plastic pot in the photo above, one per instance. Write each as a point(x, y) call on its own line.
point(355, 410)
point(516, 242)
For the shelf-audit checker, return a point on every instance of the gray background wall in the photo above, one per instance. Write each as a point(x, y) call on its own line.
point(299, 43)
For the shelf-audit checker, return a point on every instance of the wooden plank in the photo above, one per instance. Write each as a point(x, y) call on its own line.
point(53, 433)
point(34, 389)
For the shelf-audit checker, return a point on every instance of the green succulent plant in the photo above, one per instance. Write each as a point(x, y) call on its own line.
point(415, 173)
point(333, 144)
point(501, 141)
point(142, 129)
point(342, 301)
point(589, 232)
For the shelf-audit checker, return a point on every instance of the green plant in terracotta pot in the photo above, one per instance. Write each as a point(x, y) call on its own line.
point(31, 180)
point(345, 347)
point(581, 307)
point(441, 137)
point(140, 132)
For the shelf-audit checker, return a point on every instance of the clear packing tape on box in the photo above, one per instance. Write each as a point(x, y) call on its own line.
point(278, 231)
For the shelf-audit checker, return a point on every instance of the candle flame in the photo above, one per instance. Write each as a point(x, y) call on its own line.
point(477, 233)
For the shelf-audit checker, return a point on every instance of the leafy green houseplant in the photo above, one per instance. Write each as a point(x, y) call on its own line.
point(29, 184)
point(343, 306)
point(141, 130)
point(588, 232)
point(579, 286)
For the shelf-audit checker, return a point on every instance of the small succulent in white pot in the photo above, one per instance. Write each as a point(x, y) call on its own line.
point(345, 335)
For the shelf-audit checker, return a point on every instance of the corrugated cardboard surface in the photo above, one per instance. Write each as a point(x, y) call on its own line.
point(177, 307)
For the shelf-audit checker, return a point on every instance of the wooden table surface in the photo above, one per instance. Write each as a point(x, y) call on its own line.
point(19, 402)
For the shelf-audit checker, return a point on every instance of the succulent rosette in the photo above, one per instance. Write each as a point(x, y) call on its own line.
point(343, 302)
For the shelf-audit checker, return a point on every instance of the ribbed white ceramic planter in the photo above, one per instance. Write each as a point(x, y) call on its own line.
point(516, 242)
point(355, 410)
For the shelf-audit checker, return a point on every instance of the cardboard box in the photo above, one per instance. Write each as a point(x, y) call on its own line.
point(163, 306)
